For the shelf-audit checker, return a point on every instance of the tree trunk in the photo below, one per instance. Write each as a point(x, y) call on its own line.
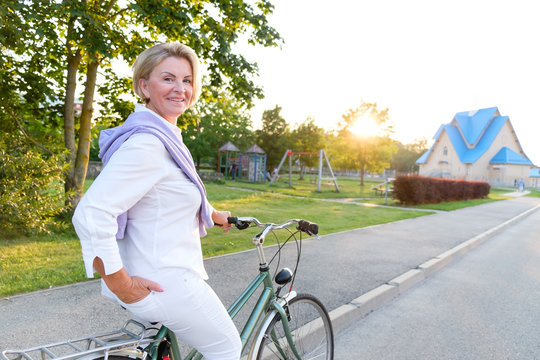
point(362, 173)
point(83, 149)
point(69, 119)
point(73, 62)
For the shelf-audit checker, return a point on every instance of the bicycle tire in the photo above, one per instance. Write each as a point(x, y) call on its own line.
point(311, 329)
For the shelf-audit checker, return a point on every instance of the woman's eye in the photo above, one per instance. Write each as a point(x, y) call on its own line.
point(187, 81)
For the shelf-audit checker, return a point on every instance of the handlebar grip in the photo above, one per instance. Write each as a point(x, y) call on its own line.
point(308, 228)
point(240, 225)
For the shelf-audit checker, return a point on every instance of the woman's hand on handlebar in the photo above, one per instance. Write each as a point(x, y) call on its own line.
point(220, 219)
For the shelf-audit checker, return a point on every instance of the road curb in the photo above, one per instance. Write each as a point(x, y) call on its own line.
point(346, 315)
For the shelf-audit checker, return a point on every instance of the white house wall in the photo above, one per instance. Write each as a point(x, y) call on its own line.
point(439, 165)
point(502, 174)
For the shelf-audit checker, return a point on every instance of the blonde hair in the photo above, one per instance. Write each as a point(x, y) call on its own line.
point(151, 57)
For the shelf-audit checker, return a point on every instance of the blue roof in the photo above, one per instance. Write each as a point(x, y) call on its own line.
point(535, 172)
point(508, 156)
point(422, 159)
point(472, 133)
point(473, 123)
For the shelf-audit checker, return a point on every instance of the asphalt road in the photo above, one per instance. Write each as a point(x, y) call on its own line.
point(484, 305)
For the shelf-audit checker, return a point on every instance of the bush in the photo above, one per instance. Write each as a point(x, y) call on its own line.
point(31, 191)
point(416, 190)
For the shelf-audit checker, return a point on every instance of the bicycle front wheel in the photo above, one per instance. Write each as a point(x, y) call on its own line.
point(311, 331)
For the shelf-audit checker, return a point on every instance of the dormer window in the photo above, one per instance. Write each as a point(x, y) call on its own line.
point(445, 151)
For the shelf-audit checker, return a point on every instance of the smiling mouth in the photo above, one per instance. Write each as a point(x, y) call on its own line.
point(177, 100)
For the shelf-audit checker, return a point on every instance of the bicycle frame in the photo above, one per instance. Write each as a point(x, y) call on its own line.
point(267, 304)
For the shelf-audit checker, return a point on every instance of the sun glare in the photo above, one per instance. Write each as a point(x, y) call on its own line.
point(365, 126)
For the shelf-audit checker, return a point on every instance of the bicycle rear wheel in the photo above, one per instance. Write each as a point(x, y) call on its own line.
point(311, 330)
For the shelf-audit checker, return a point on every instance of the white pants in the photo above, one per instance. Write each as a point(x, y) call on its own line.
point(192, 310)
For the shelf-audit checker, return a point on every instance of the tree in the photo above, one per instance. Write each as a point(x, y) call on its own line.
point(274, 136)
point(31, 196)
point(31, 164)
point(217, 122)
point(307, 137)
point(404, 160)
point(371, 153)
point(61, 44)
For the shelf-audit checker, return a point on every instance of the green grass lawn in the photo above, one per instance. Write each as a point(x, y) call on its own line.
point(38, 262)
point(534, 193)
point(348, 188)
point(270, 207)
point(351, 189)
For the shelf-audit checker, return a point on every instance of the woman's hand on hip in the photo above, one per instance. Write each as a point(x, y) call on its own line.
point(138, 290)
point(127, 288)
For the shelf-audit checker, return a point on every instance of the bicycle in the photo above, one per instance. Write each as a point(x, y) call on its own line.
point(289, 326)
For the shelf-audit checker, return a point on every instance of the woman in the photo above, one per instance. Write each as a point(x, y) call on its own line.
point(141, 221)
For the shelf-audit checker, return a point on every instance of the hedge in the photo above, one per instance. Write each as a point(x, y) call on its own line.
point(416, 190)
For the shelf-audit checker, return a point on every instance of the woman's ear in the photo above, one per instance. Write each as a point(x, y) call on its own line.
point(143, 85)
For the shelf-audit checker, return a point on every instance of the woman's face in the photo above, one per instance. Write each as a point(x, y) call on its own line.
point(169, 88)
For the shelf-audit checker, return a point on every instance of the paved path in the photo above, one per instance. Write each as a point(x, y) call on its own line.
point(345, 270)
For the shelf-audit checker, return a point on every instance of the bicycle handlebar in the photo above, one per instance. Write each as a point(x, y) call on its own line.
point(242, 223)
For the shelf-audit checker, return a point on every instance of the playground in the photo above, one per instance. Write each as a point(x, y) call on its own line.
point(250, 166)
point(301, 166)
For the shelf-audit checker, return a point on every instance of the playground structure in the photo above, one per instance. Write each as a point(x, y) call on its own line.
point(252, 165)
point(249, 166)
point(227, 155)
point(320, 178)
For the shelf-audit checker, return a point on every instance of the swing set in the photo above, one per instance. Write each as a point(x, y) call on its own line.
point(320, 178)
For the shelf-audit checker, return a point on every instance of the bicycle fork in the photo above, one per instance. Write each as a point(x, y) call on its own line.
point(279, 306)
point(285, 323)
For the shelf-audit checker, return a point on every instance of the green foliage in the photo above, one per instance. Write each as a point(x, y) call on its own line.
point(308, 137)
point(49, 46)
point(115, 105)
point(218, 120)
point(31, 82)
point(31, 194)
point(367, 153)
point(404, 160)
point(274, 136)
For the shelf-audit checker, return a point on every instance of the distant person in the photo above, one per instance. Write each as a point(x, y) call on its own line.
point(521, 185)
point(150, 197)
point(233, 171)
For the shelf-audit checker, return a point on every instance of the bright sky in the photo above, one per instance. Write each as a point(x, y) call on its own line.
point(423, 59)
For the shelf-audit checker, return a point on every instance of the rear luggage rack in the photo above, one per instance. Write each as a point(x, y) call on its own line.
point(131, 335)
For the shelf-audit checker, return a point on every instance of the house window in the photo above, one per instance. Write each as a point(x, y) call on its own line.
point(445, 151)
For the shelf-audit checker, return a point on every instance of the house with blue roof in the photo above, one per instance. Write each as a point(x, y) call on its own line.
point(477, 145)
